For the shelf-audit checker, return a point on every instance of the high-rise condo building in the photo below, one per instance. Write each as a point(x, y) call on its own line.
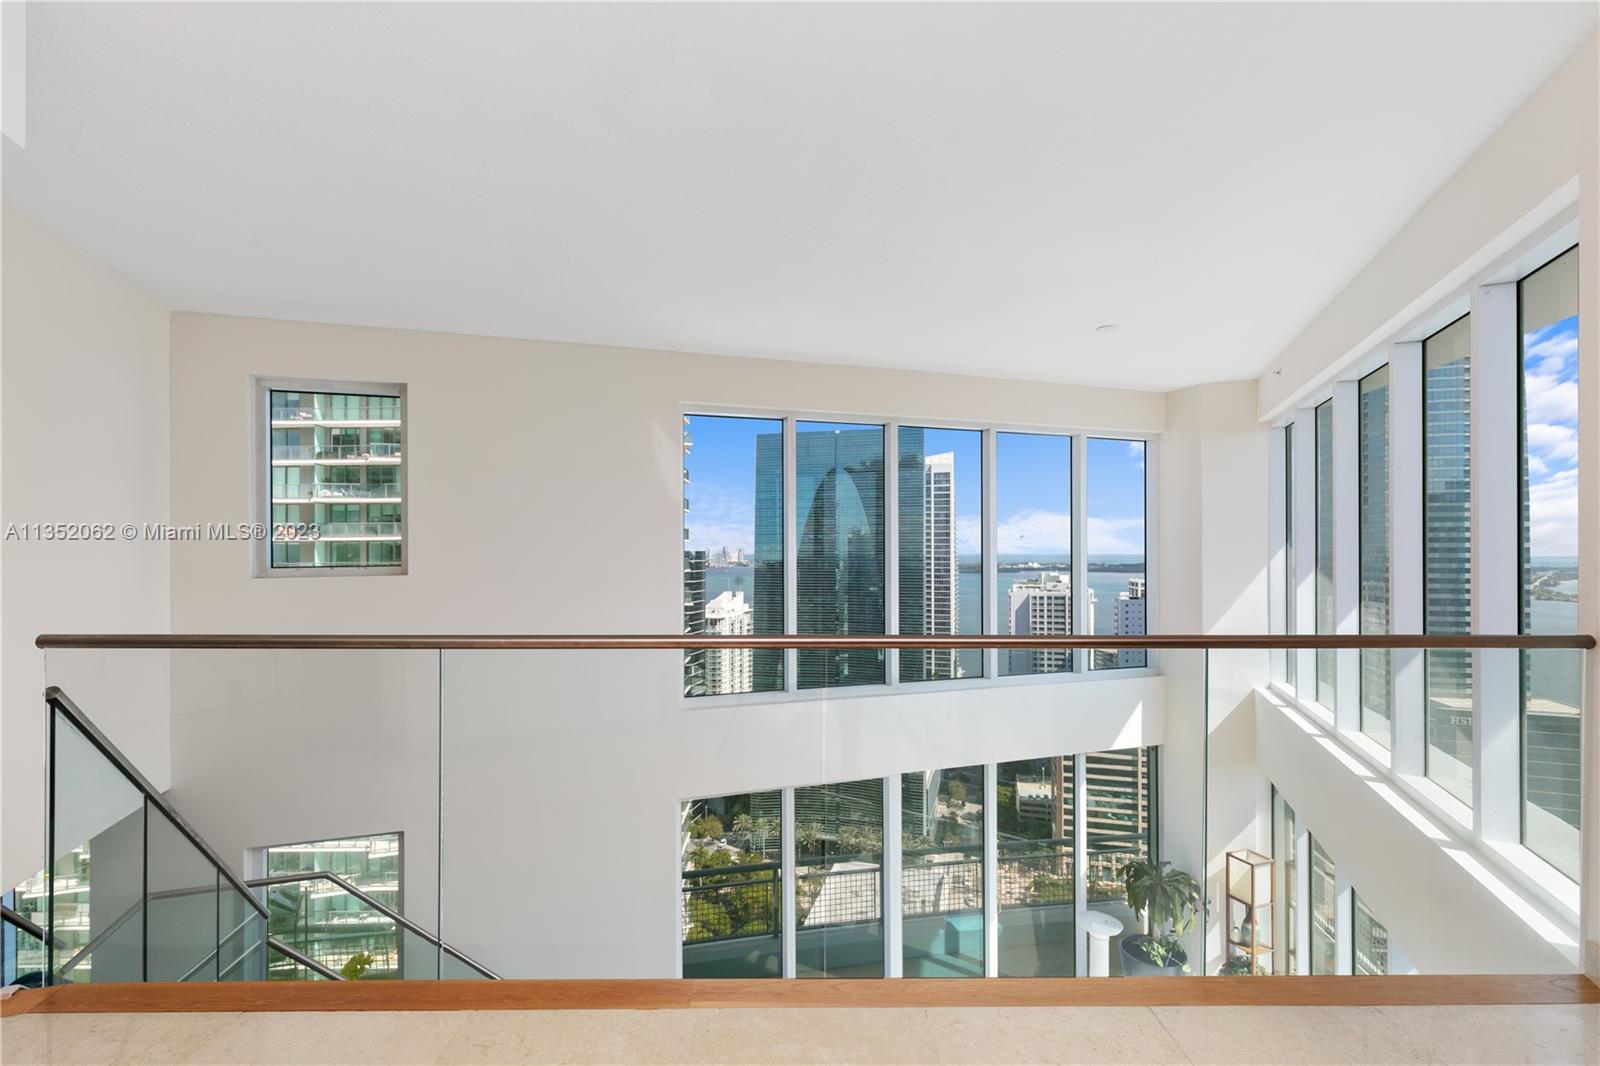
point(1042, 606)
point(941, 574)
point(1129, 621)
point(728, 669)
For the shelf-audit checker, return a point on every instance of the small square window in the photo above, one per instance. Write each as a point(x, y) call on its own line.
point(334, 477)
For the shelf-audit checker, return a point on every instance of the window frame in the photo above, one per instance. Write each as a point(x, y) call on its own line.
point(892, 684)
point(261, 390)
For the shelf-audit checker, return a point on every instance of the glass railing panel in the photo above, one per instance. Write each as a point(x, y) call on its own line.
point(241, 937)
point(1036, 867)
point(95, 888)
point(453, 969)
point(182, 902)
point(330, 926)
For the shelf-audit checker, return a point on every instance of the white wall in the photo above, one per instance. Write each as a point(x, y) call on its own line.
point(1543, 163)
point(1419, 877)
point(545, 490)
point(84, 439)
point(1213, 515)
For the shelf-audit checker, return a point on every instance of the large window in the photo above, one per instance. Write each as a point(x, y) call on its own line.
point(941, 547)
point(1291, 582)
point(732, 888)
point(941, 872)
point(1551, 679)
point(332, 926)
point(732, 550)
point(1034, 505)
point(838, 894)
point(1120, 803)
point(1447, 552)
point(839, 560)
point(1327, 658)
point(1115, 501)
point(1286, 885)
point(1324, 913)
point(1034, 801)
point(335, 477)
point(1376, 674)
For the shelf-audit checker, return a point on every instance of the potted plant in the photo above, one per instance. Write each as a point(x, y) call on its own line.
point(1166, 901)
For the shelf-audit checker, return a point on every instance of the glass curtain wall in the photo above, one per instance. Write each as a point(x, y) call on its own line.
point(328, 924)
point(1376, 674)
point(1551, 679)
point(1033, 500)
point(941, 548)
point(1324, 913)
point(732, 886)
point(839, 549)
point(1114, 496)
point(1447, 552)
point(1120, 804)
point(1034, 803)
point(1327, 658)
point(941, 872)
point(838, 896)
point(732, 550)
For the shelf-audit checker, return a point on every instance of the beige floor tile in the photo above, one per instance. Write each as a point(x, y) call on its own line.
point(1066, 1035)
point(1280, 1036)
point(108, 1038)
point(576, 1036)
point(814, 1035)
point(1550, 1035)
point(316, 1038)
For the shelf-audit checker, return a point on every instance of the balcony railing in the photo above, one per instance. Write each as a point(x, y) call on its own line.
point(344, 531)
point(510, 721)
point(313, 415)
point(323, 490)
point(312, 453)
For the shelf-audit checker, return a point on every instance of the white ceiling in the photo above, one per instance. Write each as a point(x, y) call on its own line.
point(963, 188)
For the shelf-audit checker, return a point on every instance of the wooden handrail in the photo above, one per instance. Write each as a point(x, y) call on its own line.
point(636, 642)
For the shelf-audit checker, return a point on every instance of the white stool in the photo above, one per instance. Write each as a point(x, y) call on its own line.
point(1101, 927)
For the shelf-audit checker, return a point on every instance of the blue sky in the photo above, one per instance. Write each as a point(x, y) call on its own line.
point(1550, 381)
point(1033, 501)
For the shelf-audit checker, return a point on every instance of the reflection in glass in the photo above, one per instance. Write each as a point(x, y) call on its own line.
point(1447, 552)
point(1371, 943)
point(181, 902)
point(1327, 660)
point(838, 896)
point(733, 886)
point(1115, 500)
point(1551, 679)
point(1033, 805)
point(839, 561)
point(96, 888)
point(1376, 677)
point(334, 927)
point(1324, 909)
point(1033, 499)
point(941, 872)
point(732, 550)
point(941, 553)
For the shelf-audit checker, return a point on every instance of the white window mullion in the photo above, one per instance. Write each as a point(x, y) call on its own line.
point(1278, 578)
point(787, 924)
point(990, 548)
point(893, 912)
point(1080, 868)
point(791, 606)
point(1082, 616)
point(891, 547)
point(991, 872)
point(1344, 925)
point(1406, 554)
point(1302, 893)
point(1496, 563)
point(1347, 550)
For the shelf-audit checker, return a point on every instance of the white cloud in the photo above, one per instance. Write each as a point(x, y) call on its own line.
point(1553, 350)
point(1553, 514)
point(1550, 399)
point(1035, 531)
point(1553, 442)
point(1116, 536)
point(969, 535)
point(1537, 466)
point(1136, 452)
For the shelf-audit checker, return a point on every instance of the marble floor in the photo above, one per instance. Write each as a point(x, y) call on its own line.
point(1562, 1035)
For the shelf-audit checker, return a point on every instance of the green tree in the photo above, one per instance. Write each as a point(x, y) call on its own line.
point(356, 966)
